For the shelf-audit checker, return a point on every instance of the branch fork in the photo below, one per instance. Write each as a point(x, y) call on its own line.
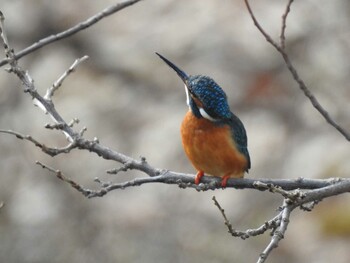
point(302, 86)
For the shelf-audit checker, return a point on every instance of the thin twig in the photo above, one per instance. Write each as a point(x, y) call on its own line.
point(284, 25)
point(227, 222)
point(60, 176)
point(50, 91)
point(73, 30)
point(313, 99)
point(259, 27)
point(3, 35)
point(102, 183)
point(73, 121)
point(123, 168)
point(315, 103)
point(55, 126)
point(48, 150)
point(271, 224)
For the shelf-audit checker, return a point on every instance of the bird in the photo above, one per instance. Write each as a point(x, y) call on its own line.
point(214, 139)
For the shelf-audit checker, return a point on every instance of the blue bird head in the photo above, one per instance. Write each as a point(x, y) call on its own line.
point(205, 97)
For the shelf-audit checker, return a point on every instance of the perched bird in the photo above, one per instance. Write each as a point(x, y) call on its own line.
point(214, 139)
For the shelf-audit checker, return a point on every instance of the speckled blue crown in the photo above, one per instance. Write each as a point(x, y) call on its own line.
point(211, 95)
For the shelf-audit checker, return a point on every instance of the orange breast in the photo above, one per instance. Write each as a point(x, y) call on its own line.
point(211, 148)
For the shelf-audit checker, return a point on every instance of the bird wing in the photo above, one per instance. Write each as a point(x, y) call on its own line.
point(240, 137)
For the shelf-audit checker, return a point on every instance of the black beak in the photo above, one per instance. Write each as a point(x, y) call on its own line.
point(179, 72)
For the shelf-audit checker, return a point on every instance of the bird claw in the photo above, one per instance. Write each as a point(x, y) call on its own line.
point(198, 177)
point(224, 181)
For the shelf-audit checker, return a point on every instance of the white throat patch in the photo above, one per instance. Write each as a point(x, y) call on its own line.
point(206, 115)
point(187, 96)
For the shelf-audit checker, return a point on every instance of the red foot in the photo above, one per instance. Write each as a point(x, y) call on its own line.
point(224, 181)
point(198, 177)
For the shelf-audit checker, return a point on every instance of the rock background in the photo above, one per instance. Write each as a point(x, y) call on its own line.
point(134, 103)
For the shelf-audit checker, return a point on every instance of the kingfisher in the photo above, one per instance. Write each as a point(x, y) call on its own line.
point(214, 139)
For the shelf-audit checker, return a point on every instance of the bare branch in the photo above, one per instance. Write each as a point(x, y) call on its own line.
point(55, 126)
point(284, 25)
point(211, 183)
point(48, 150)
point(73, 30)
point(60, 176)
point(289, 205)
point(102, 183)
point(123, 168)
point(46, 105)
point(315, 103)
point(259, 27)
point(28, 86)
point(3, 35)
point(319, 194)
point(82, 131)
point(183, 180)
point(293, 195)
point(50, 91)
point(278, 234)
point(227, 222)
point(73, 121)
point(305, 200)
point(271, 224)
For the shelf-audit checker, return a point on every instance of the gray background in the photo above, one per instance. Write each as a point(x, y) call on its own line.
point(134, 103)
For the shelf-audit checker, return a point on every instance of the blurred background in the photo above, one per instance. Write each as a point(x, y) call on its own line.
point(128, 98)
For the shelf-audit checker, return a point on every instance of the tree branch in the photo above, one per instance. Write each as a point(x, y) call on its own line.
point(278, 233)
point(71, 31)
point(271, 224)
point(48, 150)
point(280, 48)
point(284, 25)
point(279, 223)
point(208, 183)
point(50, 92)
